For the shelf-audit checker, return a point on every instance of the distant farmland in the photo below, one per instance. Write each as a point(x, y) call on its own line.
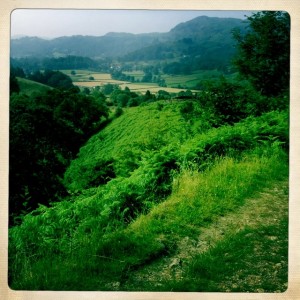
point(83, 78)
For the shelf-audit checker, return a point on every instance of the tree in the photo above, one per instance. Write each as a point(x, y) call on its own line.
point(13, 85)
point(46, 132)
point(54, 79)
point(264, 52)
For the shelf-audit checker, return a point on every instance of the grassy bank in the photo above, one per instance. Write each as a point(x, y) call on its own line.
point(110, 231)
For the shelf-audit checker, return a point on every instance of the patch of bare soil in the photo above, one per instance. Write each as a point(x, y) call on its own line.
point(268, 208)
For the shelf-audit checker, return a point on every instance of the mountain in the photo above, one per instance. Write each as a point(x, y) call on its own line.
point(109, 45)
point(194, 35)
point(206, 28)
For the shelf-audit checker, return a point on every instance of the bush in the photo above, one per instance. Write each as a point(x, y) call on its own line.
point(46, 131)
point(118, 112)
point(233, 101)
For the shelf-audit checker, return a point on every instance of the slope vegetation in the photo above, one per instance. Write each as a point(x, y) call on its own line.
point(154, 177)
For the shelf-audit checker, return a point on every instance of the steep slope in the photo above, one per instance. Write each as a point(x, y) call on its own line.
point(199, 44)
point(208, 29)
point(120, 146)
point(150, 181)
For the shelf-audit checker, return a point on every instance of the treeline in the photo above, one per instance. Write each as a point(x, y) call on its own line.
point(115, 96)
point(54, 79)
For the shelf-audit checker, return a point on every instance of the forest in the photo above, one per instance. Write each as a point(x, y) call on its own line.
point(153, 191)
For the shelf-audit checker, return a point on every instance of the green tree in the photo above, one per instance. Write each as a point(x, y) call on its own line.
point(264, 52)
point(13, 85)
point(229, 102)
point(46, 131)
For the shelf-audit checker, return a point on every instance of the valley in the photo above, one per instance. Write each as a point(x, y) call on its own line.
point(174, 83)
point(152, 162)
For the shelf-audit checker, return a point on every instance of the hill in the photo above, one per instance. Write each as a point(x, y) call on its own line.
point(30, 87)
point(204, 39)
point(109, 45)
point(151, 180)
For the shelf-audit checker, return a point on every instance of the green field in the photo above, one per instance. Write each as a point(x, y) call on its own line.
point(190, 81)
point(81, 79)
point(30, 87)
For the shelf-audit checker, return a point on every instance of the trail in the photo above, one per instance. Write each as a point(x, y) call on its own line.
point(268, 207)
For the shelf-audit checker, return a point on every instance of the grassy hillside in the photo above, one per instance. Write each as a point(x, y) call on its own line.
point(153, 178)
point(138, 132)
point(30, 87)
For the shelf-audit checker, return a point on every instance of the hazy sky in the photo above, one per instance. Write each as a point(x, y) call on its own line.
point(53, 23)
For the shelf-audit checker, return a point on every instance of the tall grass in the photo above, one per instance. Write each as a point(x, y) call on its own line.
point(242, 262)
point(52, 249)
point(149, 179)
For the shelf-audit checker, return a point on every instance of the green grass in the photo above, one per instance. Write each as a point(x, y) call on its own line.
point(138, 75)
point(139, 129)
point(190, 81)
point(249, 261)
point(148, 180)
point(175, 83)
point(196, 201)
point(30, 87)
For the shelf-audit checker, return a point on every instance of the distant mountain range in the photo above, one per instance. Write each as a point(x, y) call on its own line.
point(202, 36)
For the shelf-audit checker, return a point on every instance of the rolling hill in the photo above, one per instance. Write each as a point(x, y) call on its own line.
point(203, 38)
point(30, 87)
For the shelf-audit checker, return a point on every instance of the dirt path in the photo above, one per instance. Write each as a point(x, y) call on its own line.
point(269, 207)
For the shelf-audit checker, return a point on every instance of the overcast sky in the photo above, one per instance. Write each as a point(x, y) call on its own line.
point(54, 23)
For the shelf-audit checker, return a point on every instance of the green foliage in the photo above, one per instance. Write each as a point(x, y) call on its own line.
point(46, 130)
point(264, 52)
point(30, 64)
point(155, 174)
point(163, 95)
point(232, 101)
point(118, 112)
point(232, 140)
point(13, 85)
point(138, 130)
point(123, 98)
point(94, 225)
point(108, 88)
point(119, 75)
